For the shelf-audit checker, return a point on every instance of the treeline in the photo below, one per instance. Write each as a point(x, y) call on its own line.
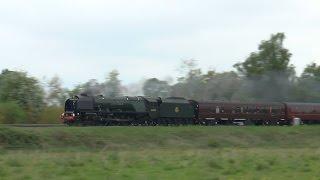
point(24, 99)
point(266, 75)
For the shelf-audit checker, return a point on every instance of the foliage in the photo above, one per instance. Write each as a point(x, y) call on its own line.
point(271, 57)
point(189, 85)
point(51, 115)
point(220, 86)
point(209, 86)
point(312, 71)
point(156, 88)
point(268, 73)
point(112, 85)
point(307, 87)
point(11, 112)
point(26, 91)
point(110, 88)
point(75, 91)
point(56, 95)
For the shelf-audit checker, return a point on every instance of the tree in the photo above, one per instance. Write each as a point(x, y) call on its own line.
point(268, 71)
point(188, 68)
point(271, 57)
point(78, 89)
point(25, 91)
point(56, 95)
point(312, 71)
point(11, 112)
point(51, 115)
point(191, 84)
point(220, 86)
point(112, 84)
point(156, 88)
point(307, 88)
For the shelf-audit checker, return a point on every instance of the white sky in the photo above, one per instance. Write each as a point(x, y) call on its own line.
point(81, 40)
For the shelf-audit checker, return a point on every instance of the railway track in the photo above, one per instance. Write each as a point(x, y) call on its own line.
point(84, 125)
point(33, 125)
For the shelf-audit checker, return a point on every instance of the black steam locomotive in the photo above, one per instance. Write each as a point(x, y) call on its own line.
point(139, 110)
point(98, 110)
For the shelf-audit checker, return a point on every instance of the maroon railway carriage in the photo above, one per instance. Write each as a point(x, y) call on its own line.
point(217, 112)
point(308, 113)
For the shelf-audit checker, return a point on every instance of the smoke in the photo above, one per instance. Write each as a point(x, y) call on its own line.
point(93, 88)
point(134, 89)
point(271, 86)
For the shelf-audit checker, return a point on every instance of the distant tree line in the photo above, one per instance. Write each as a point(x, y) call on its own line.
point(265, 75)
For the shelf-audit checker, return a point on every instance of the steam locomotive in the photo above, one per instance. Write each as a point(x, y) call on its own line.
point(139, 110)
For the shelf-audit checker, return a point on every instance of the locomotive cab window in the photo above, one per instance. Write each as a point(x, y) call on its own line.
point(70, 105)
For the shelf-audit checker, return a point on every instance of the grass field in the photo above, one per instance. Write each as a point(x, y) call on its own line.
point(221, 152)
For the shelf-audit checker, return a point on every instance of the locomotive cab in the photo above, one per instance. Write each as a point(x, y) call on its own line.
point(69, 111)
point(70, 105)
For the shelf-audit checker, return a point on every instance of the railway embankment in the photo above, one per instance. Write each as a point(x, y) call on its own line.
point(186, 137)
point(188, 152)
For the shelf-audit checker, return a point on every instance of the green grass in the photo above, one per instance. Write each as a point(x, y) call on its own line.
point(221, 152)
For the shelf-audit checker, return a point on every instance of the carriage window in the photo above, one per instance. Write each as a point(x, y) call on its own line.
point(217, 109)
point(238, 109)
point(250, 110)
point(247, 110)
point(275, 111)
point(253, 110)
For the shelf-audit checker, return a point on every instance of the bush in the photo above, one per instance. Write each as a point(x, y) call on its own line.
point(11, 112)
point(50, 115)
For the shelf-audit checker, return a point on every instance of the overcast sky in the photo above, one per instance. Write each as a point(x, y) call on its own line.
point(81, 40)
